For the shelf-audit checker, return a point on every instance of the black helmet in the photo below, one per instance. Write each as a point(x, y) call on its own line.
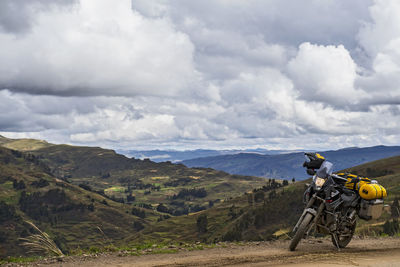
point(313, 160)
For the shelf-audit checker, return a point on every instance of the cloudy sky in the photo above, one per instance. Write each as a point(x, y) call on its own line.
point(276, 74)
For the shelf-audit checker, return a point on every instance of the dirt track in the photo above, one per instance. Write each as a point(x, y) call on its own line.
point(315, 252)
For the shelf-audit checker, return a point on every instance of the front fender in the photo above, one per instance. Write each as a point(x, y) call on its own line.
point(306, 210)
point(311, 211)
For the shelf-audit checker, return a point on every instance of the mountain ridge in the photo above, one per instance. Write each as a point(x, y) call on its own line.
point(288, 166)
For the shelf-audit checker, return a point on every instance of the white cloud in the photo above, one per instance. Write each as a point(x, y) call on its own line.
point(99, 47)
point(326, 74)
point(381, 40)
point(376, 35)
point(189, 74)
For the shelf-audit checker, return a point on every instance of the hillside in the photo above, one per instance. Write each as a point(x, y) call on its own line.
point(288, 166)
point(23, 144)
point(143, 183)
point(69, 192)
point(267, 214)
point(73, 217)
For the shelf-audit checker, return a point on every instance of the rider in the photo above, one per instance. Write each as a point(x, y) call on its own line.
point(316, 161)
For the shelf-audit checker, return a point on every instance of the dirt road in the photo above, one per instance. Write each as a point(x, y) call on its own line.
point(316, 252)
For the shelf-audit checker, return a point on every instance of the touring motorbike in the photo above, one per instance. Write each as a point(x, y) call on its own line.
point(332, 209)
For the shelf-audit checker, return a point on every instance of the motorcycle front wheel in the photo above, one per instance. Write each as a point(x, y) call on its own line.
point(304, 225)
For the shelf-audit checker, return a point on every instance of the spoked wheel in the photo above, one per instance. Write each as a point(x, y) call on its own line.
point(344, 240)
point(304, 225)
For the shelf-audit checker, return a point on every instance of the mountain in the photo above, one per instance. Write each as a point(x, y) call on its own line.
point(170, 188)
point(288, 166)
point(176, 156)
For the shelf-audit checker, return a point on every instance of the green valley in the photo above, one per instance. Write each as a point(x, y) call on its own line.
point(89, 198)
point(92, 197)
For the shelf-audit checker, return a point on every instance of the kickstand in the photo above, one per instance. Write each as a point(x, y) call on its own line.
point(336, 241)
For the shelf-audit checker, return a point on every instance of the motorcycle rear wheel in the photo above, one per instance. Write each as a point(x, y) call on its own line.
point(343, 241)
point(304, 225)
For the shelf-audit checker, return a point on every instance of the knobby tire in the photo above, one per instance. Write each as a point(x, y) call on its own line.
point(304, 225)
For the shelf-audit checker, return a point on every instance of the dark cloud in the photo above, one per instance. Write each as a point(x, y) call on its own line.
point(278, 21)
point(17, 16)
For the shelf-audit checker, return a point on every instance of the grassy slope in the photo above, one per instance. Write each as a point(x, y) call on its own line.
point(60, 208)
point(23, 144)
point(256, 221)
point(234, 218)
point(261, 220)
point(104, 169)
point(101, 169)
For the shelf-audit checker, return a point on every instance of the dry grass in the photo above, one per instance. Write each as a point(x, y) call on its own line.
point(40, 242)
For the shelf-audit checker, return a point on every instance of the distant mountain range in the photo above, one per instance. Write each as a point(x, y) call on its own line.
point(176, 156)
point(289, 165)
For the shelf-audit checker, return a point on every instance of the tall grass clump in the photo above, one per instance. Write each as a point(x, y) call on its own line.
point(40, 242)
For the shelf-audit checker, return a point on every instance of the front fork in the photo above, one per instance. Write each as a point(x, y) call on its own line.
point(313, 212)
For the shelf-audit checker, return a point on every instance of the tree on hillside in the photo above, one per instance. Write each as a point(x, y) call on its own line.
point(232, 212)
point(138, 212)
point(200, 193)
point(391, 227)
point(395, 209)
point(259, 196)
point(138, 225)
point(162, 208)
point(19, 185)
point(249, 198)
point(130, 198)
point(202, 223)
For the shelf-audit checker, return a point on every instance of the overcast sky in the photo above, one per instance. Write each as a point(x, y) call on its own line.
point(276, 74)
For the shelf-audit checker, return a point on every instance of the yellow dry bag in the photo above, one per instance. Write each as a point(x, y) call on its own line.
point(372, 191)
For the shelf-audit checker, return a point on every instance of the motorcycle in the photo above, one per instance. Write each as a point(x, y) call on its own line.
point(331, 207)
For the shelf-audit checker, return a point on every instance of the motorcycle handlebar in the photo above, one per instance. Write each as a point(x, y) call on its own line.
point(338, 177)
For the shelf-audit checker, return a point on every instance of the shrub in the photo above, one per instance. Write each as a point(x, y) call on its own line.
point(85, 186)
point(138, 212)
point(162, 208)
point(202, 223)
point(19, 185)
point(137, 226)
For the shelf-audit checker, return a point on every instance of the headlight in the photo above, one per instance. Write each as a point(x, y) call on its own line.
point(319, 182)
